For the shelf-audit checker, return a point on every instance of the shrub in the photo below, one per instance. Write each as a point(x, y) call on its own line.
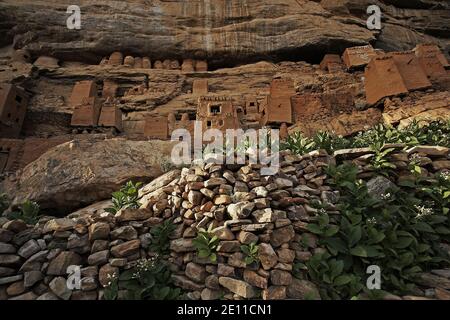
point(126, 198)
point(400, 233)
point(28, 212)
point(160, 237)
point(150, 279)
point(206, 245)
point(251, 253)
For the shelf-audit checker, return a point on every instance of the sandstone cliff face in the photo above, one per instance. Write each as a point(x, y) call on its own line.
point(219, 30)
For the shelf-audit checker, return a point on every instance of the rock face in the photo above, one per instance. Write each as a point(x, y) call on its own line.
point(218, 30)
point(103, 244)
point(79, 173)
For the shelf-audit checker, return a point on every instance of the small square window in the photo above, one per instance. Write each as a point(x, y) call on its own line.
point(208, 124)
point(19, 99)
point(215, 109)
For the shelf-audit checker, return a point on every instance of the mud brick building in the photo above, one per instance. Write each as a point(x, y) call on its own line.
point(13, 107)
point(111, 116)
point(87, 114)
point(115, 59)
point(217, 112)
point(187, 66)
point(156, 127)
point(200, 87)
point(278, 107)
point(201, 66)
point(358, 57)
point(81, 91)
point(432, 60)
point(393, 74)
point(332, 63)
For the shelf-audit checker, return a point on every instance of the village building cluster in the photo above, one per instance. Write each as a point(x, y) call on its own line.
point(96, 109)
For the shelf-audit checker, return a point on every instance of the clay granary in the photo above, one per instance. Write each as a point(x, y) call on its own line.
point(82, 90)
point(332, 63)
point(393, 74)
point(358, 57)
point(200, 87)
point(110, 116)
point(217, 112)
point(156, 127)
point(87, 113)
point(278, 107)
point(13, 107)
point(432, 60)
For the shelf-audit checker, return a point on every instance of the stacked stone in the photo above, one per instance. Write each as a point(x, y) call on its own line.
point(234, 202)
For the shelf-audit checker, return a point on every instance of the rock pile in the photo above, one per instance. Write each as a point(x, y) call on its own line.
point(234, 202)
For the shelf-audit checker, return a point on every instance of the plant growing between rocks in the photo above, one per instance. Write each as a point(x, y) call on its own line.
point(400, 233)
point(28, 212)
point(251, 253)
point(206, 245)
point(150, 279)
point(126, 198)
point(160, 242)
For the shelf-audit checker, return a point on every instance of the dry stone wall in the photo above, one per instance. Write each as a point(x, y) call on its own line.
point(235, 202)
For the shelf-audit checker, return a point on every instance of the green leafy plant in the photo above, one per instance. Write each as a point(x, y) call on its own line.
point(126, 198)
point(400, 233)
point(28, 212)
point(251, 253)
point(380, 162)
point(150, 279)
point(160, 237)
point(298, 143)
point(206, 245)
point(4, 202)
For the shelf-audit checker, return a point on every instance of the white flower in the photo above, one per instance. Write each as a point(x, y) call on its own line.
point(372, 221)
point(386, 196)
point(445, 175)
point(423, 211)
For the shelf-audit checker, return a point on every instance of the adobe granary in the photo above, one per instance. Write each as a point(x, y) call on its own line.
point(87, 113)
point(116, 59)
point(217, 112)
point(187, 66)
point(82, 90)
point(110, 116)
point(47, 62)
point(433, 62)
point(13, 107)
point(393, 74)
point(200, 87)
point(278, 107)
point(332, 63)
point(201, 66)
point(156, 127)
point(356, 58)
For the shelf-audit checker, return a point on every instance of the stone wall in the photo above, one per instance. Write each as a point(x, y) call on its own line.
point(238, 205)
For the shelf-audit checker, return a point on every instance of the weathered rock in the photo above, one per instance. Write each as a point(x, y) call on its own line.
point(78, 173)
point(247, 237)
point(124, 215)
point(59, 287)
point(239, 287)
point(29, 248)
point(240, 210)
point(98, 258)
point(282, 235)
point(126, 249)
point(99, 230)
point(196, 272)
point(7, 248)
point(267, 256)
point(185, 283)
point(378, 186)
point(302, 290)
point(58, 266)
point(9, 259)
point(208, 294)
point(56, 225)
point(11, 279)
point(274, 293)
point(124, 233)
point(31, 278)
point(255, 279)
point(223, 233)
point(106, 273)
point(280, 278)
